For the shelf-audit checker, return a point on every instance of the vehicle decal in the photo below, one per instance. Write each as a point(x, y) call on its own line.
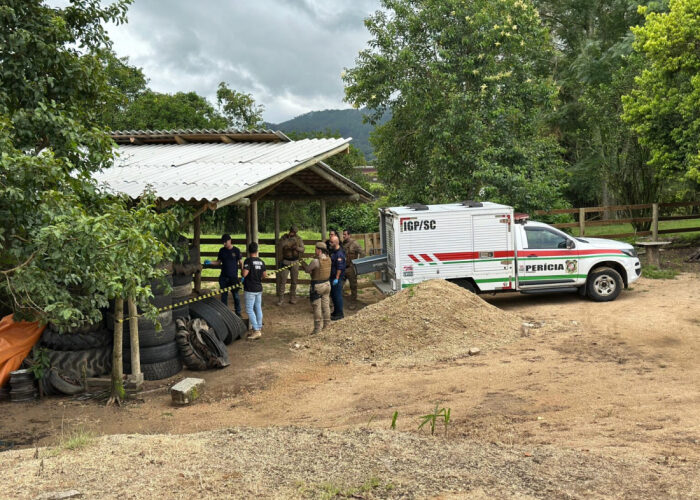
point(571, 266)
point(426, 257)
point(413, 258)
point(452, 256)
point(617, 255)
point(568, 253)
point(532, 278)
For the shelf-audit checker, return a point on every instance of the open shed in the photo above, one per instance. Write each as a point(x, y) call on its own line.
point(210, 169)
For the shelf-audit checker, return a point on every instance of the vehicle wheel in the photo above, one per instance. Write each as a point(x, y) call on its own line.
point(466, 284)
point(154, 354)
point(150, 337)
point(51, 339)
point(158, 371)
point(211, 315)
point(216, 346)
point(96, 361)
point(63, 386)
point(181, 279)
point(604, 284)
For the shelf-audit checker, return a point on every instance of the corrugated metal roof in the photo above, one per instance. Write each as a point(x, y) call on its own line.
point(212, 172)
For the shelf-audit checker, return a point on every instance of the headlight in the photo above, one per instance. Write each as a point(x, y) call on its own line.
point(629, 251)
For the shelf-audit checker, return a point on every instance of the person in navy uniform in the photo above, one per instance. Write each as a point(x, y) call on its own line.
point(337, 278)
point(229, 259)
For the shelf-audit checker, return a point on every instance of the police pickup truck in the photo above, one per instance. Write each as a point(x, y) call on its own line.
point(486, 247)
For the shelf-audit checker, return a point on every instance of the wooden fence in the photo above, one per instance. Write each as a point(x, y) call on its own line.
point(370, 241)
point(654, 219)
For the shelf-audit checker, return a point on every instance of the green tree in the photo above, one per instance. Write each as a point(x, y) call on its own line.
point(126, 83)
point(664, 108)
point(468, 87)
point(238, 108)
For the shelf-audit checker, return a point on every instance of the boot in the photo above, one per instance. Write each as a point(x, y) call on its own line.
point(326, 323)
point(317, 327)
point(280, 299)
point(293, 299)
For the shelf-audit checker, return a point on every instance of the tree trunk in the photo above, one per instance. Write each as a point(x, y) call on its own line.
point(117, 367)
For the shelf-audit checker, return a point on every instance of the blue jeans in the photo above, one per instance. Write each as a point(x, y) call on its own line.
point(253, 307)
point(337, 297)
point(226, 281)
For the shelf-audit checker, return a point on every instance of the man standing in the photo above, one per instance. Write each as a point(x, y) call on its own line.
point(290, 249)
point(253, 273)
point(320, 271)
point(337, 278)
point(352, 251)
point(229, 259)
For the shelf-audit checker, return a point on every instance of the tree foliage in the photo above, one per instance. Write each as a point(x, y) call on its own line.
point(468, 86)
point(664, 108)
point(238, 108)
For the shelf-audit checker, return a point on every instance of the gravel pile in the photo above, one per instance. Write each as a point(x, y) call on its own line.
point(433, 321)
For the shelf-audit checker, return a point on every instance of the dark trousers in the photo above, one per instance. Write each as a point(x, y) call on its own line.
point(337, 297)
point(225, 281)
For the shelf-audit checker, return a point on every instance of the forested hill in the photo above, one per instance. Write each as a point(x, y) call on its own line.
point(346, 122)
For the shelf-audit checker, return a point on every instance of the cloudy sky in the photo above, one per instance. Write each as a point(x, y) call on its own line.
point(288, 54)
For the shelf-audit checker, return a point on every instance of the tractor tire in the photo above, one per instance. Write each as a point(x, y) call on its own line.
point(604, 284)
point(192, 359)
point(150, 338)
point(51, 339)
point(96, 361)
point(158, 371)
point(154, 354)
point(80, 330)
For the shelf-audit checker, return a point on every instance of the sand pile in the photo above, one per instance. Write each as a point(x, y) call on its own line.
point(433, 321)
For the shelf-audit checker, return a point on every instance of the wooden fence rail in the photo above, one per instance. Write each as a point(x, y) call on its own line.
point(654, 219)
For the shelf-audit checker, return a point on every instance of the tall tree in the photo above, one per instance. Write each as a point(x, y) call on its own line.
point(664, 108)
point(468, 86)
point(238, 108)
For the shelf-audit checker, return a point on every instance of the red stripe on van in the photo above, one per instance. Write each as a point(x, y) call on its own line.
point(426, 257)
point(413, 258)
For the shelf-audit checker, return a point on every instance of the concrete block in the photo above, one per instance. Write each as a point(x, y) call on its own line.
point(187, 390)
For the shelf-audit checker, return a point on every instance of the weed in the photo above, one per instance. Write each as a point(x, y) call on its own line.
point(411, 292)
point(168, 414)
point(393, 419)
point(432, 418)
point(77, 440)
point(654, 273)
point(330, 489)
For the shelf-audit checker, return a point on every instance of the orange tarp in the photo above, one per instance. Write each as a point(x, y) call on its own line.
point(16, 340)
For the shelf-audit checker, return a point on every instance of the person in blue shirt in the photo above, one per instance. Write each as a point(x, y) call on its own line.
point(337, 278)
point(229, 259)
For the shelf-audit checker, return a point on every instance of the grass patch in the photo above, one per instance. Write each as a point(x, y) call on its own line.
point(77, 440)
point(654, 273)
point(330, 489)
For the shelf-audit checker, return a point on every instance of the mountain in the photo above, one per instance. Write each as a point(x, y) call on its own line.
point(345, 122)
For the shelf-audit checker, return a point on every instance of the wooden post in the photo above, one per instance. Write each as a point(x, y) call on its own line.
point(324, 226)
point(277, 221)
point(247, 227)
point(117, 362)
point(254, 220)
point(367, 247)
point(136, 376)
point(581, 222)
point(655, 222)
point(197, 233)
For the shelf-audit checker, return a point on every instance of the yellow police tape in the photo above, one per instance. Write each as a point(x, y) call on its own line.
point(207, 295)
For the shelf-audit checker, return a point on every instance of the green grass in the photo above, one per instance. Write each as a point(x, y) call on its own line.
point(330, 489)
point(601, 231)
point(77, 440)
point(653, 272)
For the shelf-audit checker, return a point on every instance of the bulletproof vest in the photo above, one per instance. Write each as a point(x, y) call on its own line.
point(289, 250)
point(323, 272)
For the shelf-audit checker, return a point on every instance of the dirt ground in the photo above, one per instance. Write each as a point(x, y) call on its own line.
point(594, 400)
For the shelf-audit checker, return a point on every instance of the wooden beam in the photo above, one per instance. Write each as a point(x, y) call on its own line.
point(197, 233)
point(283, 175)
point(134, 140)
point(226, 139)
point(180, 140)
point(254, 220)
point(308, 197)
point(329, 178)
point(247, 228)
point(263, 192)
point(300, 185)
point(324, 227)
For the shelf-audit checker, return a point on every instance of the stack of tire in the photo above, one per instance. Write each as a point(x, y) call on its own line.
point(22, 386)
point(158, 351)
point(227, 326)
point(84, 350)
point(5, 392)
point(186, 264)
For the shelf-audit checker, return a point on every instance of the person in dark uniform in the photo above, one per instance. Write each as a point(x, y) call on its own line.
point(229, 259)
point(337, 278)
point(253, 273)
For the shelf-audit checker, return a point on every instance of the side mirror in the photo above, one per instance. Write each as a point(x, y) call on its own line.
point(570, 244)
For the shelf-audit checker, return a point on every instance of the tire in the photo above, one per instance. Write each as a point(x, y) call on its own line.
point(466, 284)
point(154, 354)
point(236, 326)
point(63, 386)
point(158, 285)
point(160, 301)
point(164, 318)
point(80, 330)
point(216, 346)
point(158, 371)
point(604, 284)
point(150, 338)
point(209, 314)
point(51, 339)
point(181, 279)
point(97, 361)
point(181, 292)
point(181, 312)
point(189, 355)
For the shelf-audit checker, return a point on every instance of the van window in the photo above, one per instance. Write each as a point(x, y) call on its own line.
point(543, 238)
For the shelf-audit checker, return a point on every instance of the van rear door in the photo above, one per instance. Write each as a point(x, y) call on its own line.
point(494, 267)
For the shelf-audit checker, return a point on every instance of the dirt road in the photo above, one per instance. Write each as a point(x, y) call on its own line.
point(609, 392)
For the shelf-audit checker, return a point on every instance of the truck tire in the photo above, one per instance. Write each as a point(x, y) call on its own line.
point(164, 318)
point(153, 354)
point(158, 371)
point(181, 312)
point(51, 339)
point(212, 316)
point(465, 283)
point(604, 284)
point(150, 338)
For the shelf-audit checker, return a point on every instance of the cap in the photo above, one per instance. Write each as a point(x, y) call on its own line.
point(293, 229)
point(321, 245)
